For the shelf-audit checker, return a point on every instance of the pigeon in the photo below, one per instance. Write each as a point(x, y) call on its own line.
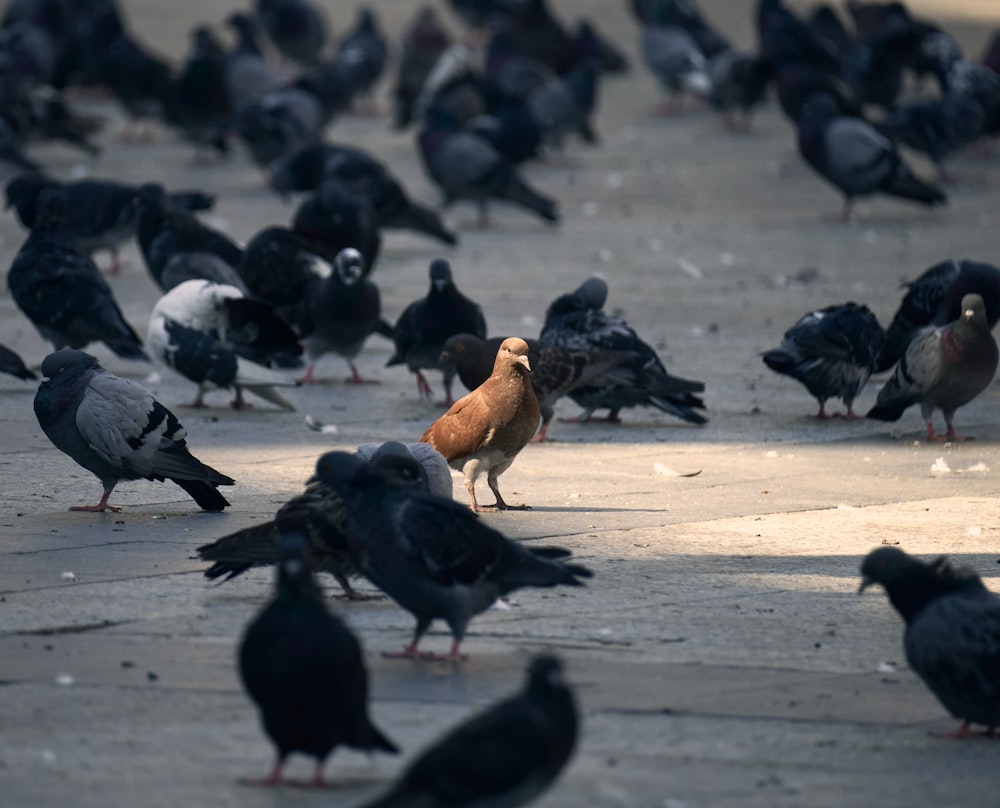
point(935, 299)
point(318, 515)
point(198, 105)
point(200, 266)
point(304, 670)
point(424, 40)
point(332, 219)
point(513, 73)
point(11, 363)
point(683, 14)
point(555, 371)
point(739, 85)
point(464, 166)
point(114, 428)
point(506, 755)
point(943, 368)
point(564, 106)
point(431, 555)
point(832, 351)
point(196, 329)
point(787, 40)
point(346, 309)
point(421, 330)
point(676, 62)
point(61, 290)
point(852, 156)
point(590, 45)
point(297, 28)
point(247, 76)
point(952, 631)
point(100, 214)
point(577, 321)
point(485, 430)
point(364, 53)
point(164, 230)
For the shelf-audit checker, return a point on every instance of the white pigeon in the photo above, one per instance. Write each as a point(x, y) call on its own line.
point(200, 329)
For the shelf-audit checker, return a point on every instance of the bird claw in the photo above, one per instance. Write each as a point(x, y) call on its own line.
point(96, 508)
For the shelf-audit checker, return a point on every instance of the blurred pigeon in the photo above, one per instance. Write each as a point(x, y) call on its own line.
point(199, 102)
point(739, 85)
point(346, 309)
point(943, 368)
point(485, 430)
point(577, 321)
point(363, 52)
point(853, 157)
point(555, 371)
point(511, 129)
point(675, 61)
point(423, 43)
point(465, 166)
point(164, 231)
point(432, 556)
point(359, 173)
point(114, 428)
point(506, 755)
point(332, 218)
point(61, 290)
point(797, 85)
point(589, 45)
point(31, 112)
point(785, 39)
point(991, 53)
point(196, 329)
point(832, 351)
point(248, 75)
point(935, 298)
point(11, 363)
point(297, 28)
point(200, 266)
point(952, 631)
point(564, 106)
point(318, 515)
point(425, 324)
point(100, 213)
point(304, 670)
point(826, 23)
point(513, 73)
point(938, 127)
point(683, 14)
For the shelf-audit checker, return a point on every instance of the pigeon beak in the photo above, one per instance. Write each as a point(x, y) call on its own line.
point(313, 479)
point(865, 583)
point(969, 313)
point(524, 361)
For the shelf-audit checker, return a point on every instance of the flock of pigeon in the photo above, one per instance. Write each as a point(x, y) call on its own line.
point(250, 318)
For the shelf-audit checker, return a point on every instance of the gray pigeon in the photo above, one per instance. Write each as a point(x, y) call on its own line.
point(116, 429)
point(433, 556)
point(505, 756)
point(434, 472)
point(305, 671)
point(675, 60)
point(943, 368)
point(952, 637)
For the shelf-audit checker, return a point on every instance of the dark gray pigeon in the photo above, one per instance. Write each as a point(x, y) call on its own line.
point(832, 351)
point(935, 298)
point(465, 166)
point(434, 557)
point(114, 428)
point(425, 324)
point(297, 28)
point(943, 368)
point(853, 157)
point(423, 43)
point(248, 75)
point(952, 636)
point(506, 755)
point(11, 363)
point(62, 291)
point(305, 671)
point(577, 321)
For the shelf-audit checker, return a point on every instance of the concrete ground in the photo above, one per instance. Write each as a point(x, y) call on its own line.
point(720, 654)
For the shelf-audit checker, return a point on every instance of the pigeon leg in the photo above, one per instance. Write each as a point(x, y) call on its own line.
point(963, 731)
point(410, 651)
point(317, 780)
point(101, 506)
point(199, 400)
point(454, 655)
point(471, 488)
point(582, 418)
point(274, 776)
point(847, 211)
point(423, 386)
point(357, 378)
point(449, 399)
point(542, 436)
point(500, 505)
point(951, 434)
point(116, 265)
point(239, 403)
point(350, 593)
point(308, 377)
point(822, 414)
point(852, 415)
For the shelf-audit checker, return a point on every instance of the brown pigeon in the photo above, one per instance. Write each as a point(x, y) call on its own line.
point(555, 371)
point(943, 368)
point(485, 430)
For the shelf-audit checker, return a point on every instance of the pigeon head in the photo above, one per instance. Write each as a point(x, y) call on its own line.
point(911, 583)
point(295, 567)
point(153, 199)
point(51, 210)
point(546, 670)
point(399, 468)
point(440, 272)
point(349, 266)
point(458, 346)
point(338, 469)
point(593, 292)
point(25, 186)
point(67, 358)
point(974, 310)
point(513, 352)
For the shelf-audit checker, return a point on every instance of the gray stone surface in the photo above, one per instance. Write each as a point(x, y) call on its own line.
point(720, 653)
